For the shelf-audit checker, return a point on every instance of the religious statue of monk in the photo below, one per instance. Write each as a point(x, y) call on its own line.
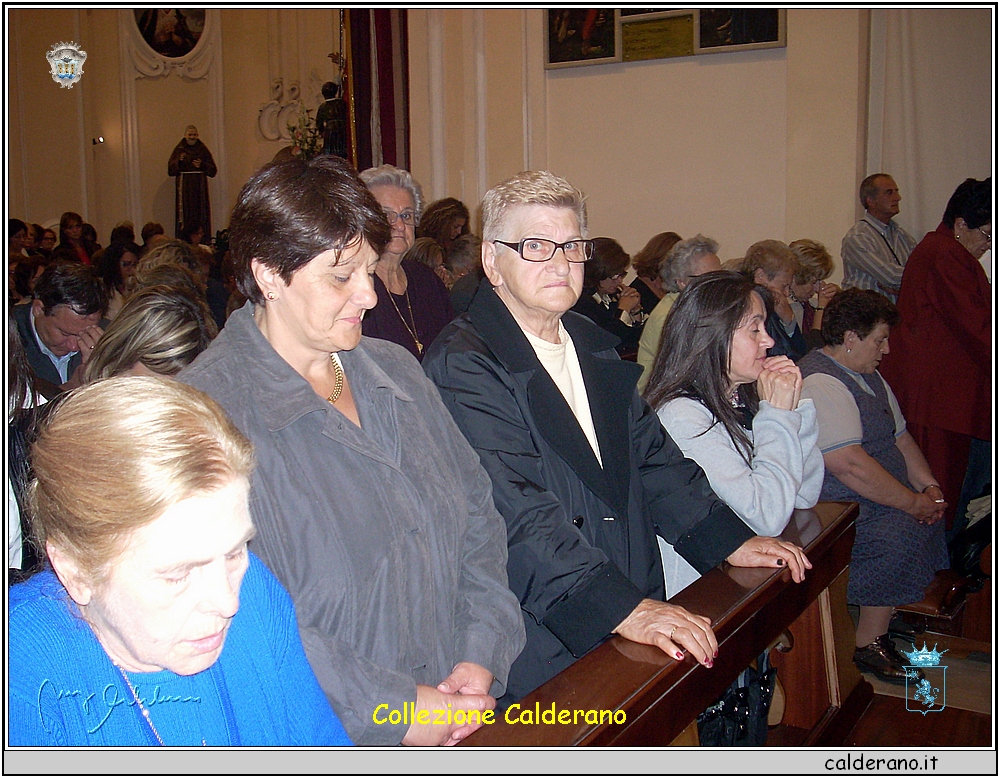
point(191, 163)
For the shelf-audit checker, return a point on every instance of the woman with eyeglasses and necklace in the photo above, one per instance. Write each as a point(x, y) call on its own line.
point(940, 364)
point(413, 303)
point(582, 469)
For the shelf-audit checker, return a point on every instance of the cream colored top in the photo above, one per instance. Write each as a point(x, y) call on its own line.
point(563, 366)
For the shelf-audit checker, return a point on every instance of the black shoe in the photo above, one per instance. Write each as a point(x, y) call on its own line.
point(900, 628)
point(881, 659)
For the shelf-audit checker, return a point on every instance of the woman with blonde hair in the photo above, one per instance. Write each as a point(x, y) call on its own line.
point(815, 265)
point(155, 624)
point(159, 331)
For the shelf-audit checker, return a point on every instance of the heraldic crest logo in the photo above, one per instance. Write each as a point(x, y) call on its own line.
point(66, 63)
point(925, 676)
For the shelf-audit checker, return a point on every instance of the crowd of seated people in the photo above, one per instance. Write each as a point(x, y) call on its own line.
point(423, 459)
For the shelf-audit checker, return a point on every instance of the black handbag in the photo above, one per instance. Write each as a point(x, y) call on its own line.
point(739, 716)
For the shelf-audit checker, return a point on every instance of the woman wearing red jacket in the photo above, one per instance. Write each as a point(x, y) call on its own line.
point(939, 367)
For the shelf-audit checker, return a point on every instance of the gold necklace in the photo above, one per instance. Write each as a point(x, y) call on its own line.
point(338, 380)
point(412, 330)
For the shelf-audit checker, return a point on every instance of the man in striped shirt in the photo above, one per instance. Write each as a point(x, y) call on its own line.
point(875, 249)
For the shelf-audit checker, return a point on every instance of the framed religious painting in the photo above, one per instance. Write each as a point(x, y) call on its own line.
point(582, 36)
point(171, 32)
point(739, 29)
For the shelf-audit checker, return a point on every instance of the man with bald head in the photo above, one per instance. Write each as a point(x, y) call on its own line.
point(875, 249)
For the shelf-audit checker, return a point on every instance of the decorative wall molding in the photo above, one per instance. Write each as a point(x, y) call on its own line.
point(275, 116)
point(149, 64)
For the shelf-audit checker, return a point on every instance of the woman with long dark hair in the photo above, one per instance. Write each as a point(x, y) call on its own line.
point(734, 410)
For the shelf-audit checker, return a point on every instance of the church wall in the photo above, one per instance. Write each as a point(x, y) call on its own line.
point(54, 167)
point(741, 145)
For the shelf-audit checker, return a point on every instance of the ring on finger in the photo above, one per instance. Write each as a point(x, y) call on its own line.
point(672, 631)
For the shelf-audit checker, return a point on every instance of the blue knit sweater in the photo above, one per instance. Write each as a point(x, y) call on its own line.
point(64, 690)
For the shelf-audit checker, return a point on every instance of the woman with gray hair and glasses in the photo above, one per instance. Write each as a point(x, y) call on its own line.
point(413, 303)
point(582, 470)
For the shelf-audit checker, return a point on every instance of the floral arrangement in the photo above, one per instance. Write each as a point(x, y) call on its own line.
point(307, 140)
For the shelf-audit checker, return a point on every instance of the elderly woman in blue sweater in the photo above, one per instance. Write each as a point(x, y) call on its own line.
point(155, 625)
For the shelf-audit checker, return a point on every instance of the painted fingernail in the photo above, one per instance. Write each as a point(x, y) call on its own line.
point(709, 663)
point(679, 655)
point(716, 655)
point(781, 562)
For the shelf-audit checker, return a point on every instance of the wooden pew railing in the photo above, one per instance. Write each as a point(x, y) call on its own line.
point(749, 609)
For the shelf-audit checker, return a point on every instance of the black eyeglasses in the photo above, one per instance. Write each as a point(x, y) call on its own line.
point(409, 218)
point(542, 250)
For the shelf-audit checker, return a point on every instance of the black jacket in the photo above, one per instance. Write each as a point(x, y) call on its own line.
point(582, 545)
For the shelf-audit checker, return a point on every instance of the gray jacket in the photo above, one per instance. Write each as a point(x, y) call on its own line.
point(386, 536)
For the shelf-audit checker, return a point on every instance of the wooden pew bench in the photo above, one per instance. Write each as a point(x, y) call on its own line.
point(656, 698)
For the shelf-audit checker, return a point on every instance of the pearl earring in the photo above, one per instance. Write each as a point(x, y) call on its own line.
point(270, 295)
point(848, 351)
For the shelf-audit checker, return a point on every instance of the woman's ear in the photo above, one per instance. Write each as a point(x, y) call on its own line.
point(268, 280)
point(69, 574)
point(490, 264)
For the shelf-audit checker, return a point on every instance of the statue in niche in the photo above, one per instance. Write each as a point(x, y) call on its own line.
point(331, 120)
point(192, 164)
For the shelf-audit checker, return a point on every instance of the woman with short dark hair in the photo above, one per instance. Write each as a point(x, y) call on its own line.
point(73, 246)
point(647, 265)
point(606, 300)
point(872, 459)
point(371, 507)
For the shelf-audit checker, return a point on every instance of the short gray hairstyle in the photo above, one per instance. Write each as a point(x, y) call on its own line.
point(531, 187)
point(678, 262)
point(390, 175)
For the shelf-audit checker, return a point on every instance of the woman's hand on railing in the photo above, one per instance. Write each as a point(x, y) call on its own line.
point(771, 552)
point(672, 629)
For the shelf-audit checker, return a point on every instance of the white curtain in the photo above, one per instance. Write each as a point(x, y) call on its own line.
point(931, 105)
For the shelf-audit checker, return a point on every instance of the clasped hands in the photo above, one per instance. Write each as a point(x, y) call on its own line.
point(780, 383)
point(676, 630)
point(928, 505)
point(467, 688)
